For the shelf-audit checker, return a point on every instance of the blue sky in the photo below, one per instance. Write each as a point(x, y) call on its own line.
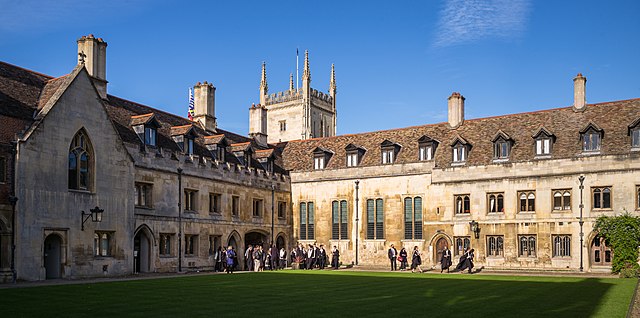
point(396, 61)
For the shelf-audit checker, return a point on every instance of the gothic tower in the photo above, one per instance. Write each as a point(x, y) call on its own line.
point(297, 113)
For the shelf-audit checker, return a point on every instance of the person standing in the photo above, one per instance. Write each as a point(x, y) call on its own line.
point(230, 256)
point(248, 258)
point(256, 258)
point(274, 258)
point(402, 257)
point(311, 257)
point(469, 261)
point(393, 254)
point(445, 260)
point(335, 257)
point(322, 257)
point(416, 260)
point(283, 258)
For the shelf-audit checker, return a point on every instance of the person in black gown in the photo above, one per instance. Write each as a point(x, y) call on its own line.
point(445, 261)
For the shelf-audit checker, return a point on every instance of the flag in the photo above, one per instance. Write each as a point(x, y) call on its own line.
point(191, 104)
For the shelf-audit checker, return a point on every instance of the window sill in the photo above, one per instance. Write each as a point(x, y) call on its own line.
point(590, 153)
point(526, 212)
point(467, 214)
point(495, 213)
point(98, 257)
point(560, 211)
point(81, 191)
point(561, 258)
point(215, 213)
point(374, 240)
point(635, 149)
point(458, 163)
point(500, 160)
point(495, 257)
point(190, 211)
point(542, 156)
point(602, 210)
point(527, 258)
point(166, 256)
point(142, 207)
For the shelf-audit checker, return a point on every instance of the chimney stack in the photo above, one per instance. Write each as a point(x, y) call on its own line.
point(456, 110)
point(258, 124)
point(204, 100)
point(92, 52)
point(579, 93)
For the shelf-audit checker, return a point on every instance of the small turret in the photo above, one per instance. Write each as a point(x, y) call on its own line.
point(264, 88)
point(291, 82)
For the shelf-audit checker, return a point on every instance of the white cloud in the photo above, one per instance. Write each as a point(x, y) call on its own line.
point(466, 21)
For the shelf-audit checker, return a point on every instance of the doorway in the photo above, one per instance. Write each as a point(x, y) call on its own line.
point(142, 253)
point(441, 243)
point(601, 254)
point(52, 256)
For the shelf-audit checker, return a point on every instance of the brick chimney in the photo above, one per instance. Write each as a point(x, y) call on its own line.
point(258, 124)
point(204, 99)
point(579, 93)
point(92, 52)
point(456, 110)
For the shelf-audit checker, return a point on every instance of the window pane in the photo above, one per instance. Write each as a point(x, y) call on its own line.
point(500, 203)
point(417, 218)
point(370, 220)
point(343, 220)
point(303, 221)
point(310, 221)
point(606, 198)
point(335, 221)
point(408, 218)
point(379, 219)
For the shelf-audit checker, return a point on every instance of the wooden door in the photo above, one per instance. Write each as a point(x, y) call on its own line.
point(441, 243)
point(601, 254)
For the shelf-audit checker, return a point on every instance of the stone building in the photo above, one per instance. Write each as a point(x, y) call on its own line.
point(296, 113)
point(171, 190)
point(507, 186)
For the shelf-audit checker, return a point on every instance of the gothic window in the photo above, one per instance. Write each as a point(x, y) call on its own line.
point(561, 245)
point(102, 244)
point(190, 245)
point(462, 203)
point(601, 198)
point(543, 142)
point(562, 200)
point(143, 195)
point(389, 151)
point(282, 209)
point(591, 137)
point(375, 219)
point(527, 246)
point(426, 148)
point(495, 246)
point(190, 200)
point(165, 244)
point(307, 230)
point(495, 202)
point(527, 201)
point(258, 206)
point(80, 162)
point(339, 218)
point(413, 218)
point(462, 244)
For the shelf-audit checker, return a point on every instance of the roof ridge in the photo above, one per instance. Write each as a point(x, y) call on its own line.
point(31, 71)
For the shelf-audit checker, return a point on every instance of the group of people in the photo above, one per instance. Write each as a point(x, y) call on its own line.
point(395, 257)
point(225, 260)
point(257, 258)
point(314, 257)
point(465, 261)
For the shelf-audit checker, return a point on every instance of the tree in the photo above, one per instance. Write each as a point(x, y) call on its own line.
point(622, 234)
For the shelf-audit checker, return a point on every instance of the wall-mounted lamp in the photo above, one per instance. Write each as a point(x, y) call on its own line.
point(96, 216)
point(473, 225)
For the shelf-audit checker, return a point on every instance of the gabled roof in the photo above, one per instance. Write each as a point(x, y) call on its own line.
point(265, 153)
point(215, 140)
point(182, 130)
point(243, 146)
point(320, 150)
point(592, 125)
point(459, 139)
point(634, 124)
point(503, 135)
point(388, 143)
point(354, 147)
point(543, 131)
point(149, 118)
point(426, 139)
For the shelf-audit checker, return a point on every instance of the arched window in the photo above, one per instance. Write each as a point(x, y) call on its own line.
point(80, 162)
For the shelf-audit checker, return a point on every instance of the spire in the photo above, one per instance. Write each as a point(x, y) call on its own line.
point(306, 73)
point(291, 81)
point(332, 83)
point(263, 82)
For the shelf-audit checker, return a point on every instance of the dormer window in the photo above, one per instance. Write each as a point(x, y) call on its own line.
point(634, 132)
point(389, 151)
point(242, 152)
point(265, 158)
point(321, 158)
point(426, 148)
point(591, 137)
point(184, 137)
point(146, 127)
point(543, 142)
point(501, 146)
point(354, 155)
point(216, 145)
point(460, 149)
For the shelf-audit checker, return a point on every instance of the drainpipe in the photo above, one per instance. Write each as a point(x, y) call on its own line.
point(357, 219)
point(179, 220)
point(13, 200)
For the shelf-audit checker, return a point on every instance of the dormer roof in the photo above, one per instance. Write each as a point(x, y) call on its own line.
point(501, 134)
point(182, 130)
point(145, 119)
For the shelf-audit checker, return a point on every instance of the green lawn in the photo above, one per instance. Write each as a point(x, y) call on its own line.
point(327, 294)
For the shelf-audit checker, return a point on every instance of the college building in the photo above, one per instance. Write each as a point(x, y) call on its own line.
point(96, 185)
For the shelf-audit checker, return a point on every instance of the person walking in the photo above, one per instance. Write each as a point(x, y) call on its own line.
point(402, 258)
point(230, 256)
point(445, 260)
point(416, 260)
point(322, 257)
point(248, 258)
point(393, 255)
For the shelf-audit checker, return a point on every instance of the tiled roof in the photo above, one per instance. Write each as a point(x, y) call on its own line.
point(141, 119)
point(215, 139)
point(266, 153)
point(565, 124)
point(243, 146)
point(181, 130)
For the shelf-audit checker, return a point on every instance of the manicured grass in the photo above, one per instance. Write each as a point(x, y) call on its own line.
point(327, 294)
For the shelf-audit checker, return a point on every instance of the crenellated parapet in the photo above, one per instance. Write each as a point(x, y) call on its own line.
point(282, 97)
point(322, 96)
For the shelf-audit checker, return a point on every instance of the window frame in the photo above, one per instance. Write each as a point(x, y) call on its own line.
point(235, 205)
point(339, 220)
point(561, 246)
point(562, 194)
point(635, 137)
point(215, 203)
point(530, 244)
point(591, 139)
point(528, 207)
point(539, 145)
point(497, 196)
point(497, 250)
point(190, 200)
point(283, 125)
point(637, 197)
point(282, 210)
point(257, 208)
point(459, 153)
point(374, 214)
point(501, 149)
point(465, 243)
point(143, 189)
point(307, 228)
point(465, 204)
point(165, 248)
point(81, 146)
point(191, 245)
point(353, 159)
point(150, 135)
point(413, 218)
point(3, 170)
point(601, 191)
point(99, 249)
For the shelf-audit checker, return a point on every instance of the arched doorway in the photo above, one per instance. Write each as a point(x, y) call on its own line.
point(142, 251)
point(601, 254)
point(280, 243)
point(53, 256)
point(233, 243)
point(256, 238)
point(439, 246)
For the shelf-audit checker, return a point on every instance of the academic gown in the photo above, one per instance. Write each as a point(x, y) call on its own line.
point(445, 261)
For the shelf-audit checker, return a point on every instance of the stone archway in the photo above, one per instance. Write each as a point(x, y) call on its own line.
point(256, 237)
point(437, 244)
point(142, 250)
point(281, 242)
point(53, 256)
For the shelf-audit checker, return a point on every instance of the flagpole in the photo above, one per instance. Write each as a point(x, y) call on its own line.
point(297, 79)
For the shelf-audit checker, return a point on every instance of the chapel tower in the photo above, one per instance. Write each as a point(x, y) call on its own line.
point(295, 113)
